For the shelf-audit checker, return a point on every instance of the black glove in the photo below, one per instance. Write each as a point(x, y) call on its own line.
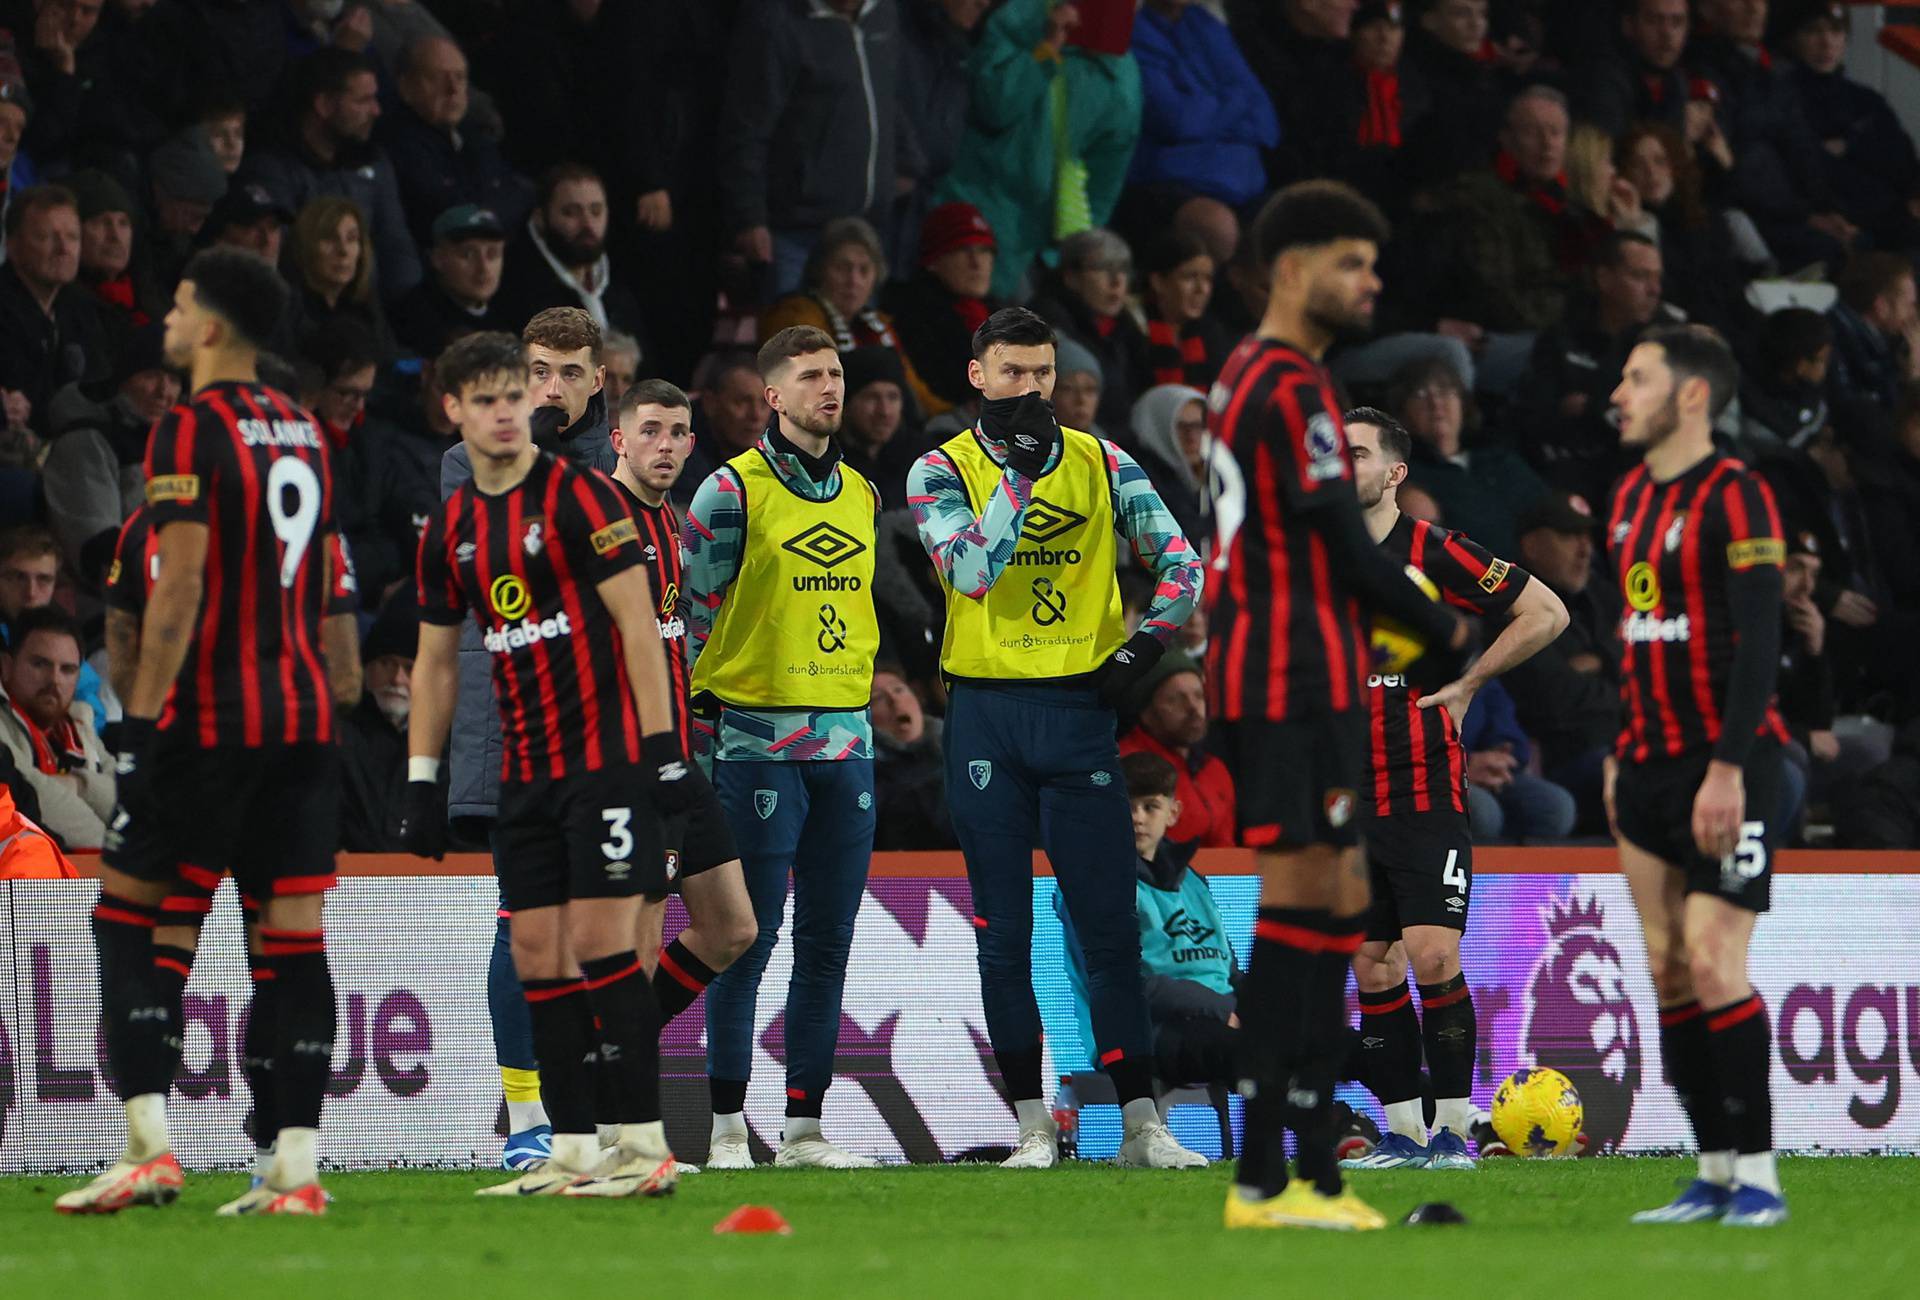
point(678, 782)
point(1026, 425)
point(133, 769)
point(1116, 678)
point(423, 822)
point(547, 423)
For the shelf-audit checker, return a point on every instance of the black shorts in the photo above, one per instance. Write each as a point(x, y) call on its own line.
point(697, 841)
point(594, 835)
point(1297, 782)
point(1421, 865)
point(269, 816)
point(1653, 807)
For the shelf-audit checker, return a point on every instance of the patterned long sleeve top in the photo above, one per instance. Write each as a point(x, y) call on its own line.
point(714, 536)
point(971, 551)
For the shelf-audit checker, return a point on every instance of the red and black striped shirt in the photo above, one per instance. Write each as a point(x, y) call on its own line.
point(1414, 759)
point(660, 545)
point(528, 564)
point(1674, 544)
point(136, 566)
point(251, 465)
point(1286, 639)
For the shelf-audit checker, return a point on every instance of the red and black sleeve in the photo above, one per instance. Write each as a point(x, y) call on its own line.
point(1469, 577)
point(443, 601)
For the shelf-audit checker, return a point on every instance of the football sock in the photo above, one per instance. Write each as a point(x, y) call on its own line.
point(1138, 1113)
point(1272, 1035)
point(172, 965)
point(522, 1090)
point(1450, 1035)
point(1390, 1042)
point(679, 979)
point(1326, 1027)
point(133, 1012)
point(1740, 1040)
point(1757, 1170)
point(732, 1125)
point(147, 1126)
point(303, 1025)
point(1032, 1114)
point(1019, 1071)
point(628, 1070)
point(1132, 1079)
point(563, 1040)
point(1686, 1057)
point(294, 1159)
point(799, 1128)
point(256, 1056)
point(729, 1095)
point(802, 1104)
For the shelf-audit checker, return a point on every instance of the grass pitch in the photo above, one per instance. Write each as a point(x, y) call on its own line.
point(1543, 1228)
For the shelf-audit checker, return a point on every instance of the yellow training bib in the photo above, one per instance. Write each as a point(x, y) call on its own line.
point(797, 629)
point(1055, 609)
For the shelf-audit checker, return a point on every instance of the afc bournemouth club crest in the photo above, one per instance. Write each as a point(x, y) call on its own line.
point(980, 771)
point(764, 802)
point(1339, 806)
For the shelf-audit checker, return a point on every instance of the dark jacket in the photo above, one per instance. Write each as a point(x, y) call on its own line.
point(310, 316)
point(130, 86)
point(373, 780)
point(1615, 91)
point(392, 470)
point(935, 333)
point(41, 353)
point(294, 177)
point(1205, 120)
point(439, 169)
point(932, 93)
point(1866, 365)
point(1121, 349)
point(1468, 104)
point(808, 131)
point(1307, 79)
point(93, 476)
point(1494, 257)
point(1581, 454)
point(1874, 170)
point(474, 748)
point(1778, 175)
point(425, 320)
point(1568, 712)
point(530, 284)
point(910, 784)
point(1481, 498)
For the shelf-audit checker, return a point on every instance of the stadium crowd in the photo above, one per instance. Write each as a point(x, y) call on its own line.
point(698, 174)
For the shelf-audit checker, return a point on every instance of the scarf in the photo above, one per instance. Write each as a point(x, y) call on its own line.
point(1176, 355)
point(1550, 198)
point(59, 749)
point(599, 275)
point(118, 292)
point(868, 328)
point(1380, 124)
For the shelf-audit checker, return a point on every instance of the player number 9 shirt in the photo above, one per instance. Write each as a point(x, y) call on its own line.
point(527, 564)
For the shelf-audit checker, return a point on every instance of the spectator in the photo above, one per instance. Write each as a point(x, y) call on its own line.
point(224, 122)
point(1876, 332)
point(1385, 102)
point(127, 299)
point(1184, 344)
point(1505, 802)
point(731, 414)
point(1643, 81)
point(1890, 497)
point(1496, 268)
point(1783, 398)
point(560, 257)
point(51, 331)
point(17, 171)
point(1804, 694)
point(334, 273)
point(1050, 132)
point(1298, 51)
point(1568, 695)
point(1882, 809)
point(1776, 175)
point(1169, 426)
point(462, 288)
point(1088, 304)
point(1480, 488)
point(373, 734)
point(94, 475)
point(1596, 187)
point(622, 353)
point(329, 151)
point(1077, 387)
point(26, 851)
point(1704, 252)
point(342, 358)
point(843, 272)
point(909, 772)
point(52, 46)
point(1205, 122)
point(875, 436)
point(568, 383)
point(391, 475)
point(186, 181)
point(1455, 63)
point(935, 38)
point(249, 217)
point(809, 129)
point(1868, 157)
point(1566, 397)
point(1169, 706)
point(937, 311)
point(439, 164)
point(50, 734)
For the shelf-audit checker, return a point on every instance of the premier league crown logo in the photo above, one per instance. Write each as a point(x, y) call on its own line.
point(1579, 1020)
